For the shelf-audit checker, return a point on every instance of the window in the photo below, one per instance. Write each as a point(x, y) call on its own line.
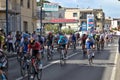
point(25, 26)
point(74, 14)
point(21, 2)
point(28, 3)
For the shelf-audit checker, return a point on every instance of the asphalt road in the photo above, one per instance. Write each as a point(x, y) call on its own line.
point(77, 67)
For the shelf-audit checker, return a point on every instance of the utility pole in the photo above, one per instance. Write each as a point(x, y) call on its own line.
point(41, 26)
point(6, 17)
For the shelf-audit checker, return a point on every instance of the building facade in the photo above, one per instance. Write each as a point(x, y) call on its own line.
point(115, 23)
point(81, 15)
point(73, 13)
point(21, 15)
point(99, 17)
point(107, 24)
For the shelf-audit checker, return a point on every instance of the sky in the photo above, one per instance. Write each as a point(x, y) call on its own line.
point(110, 7)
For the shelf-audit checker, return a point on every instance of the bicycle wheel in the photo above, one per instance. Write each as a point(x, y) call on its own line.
point(62, 58)
point(39, 74)
point(18, 57)
point(23, 68)
point(3, 76)
point(31, 73)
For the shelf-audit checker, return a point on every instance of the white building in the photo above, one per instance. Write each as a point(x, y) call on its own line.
point(115, 23)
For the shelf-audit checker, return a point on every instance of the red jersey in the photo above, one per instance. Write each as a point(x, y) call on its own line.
point(36, 46)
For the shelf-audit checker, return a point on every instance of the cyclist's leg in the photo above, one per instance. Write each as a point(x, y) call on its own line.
point(83, 49)
point(64, 48)
point(88, 54)
point(38, 56)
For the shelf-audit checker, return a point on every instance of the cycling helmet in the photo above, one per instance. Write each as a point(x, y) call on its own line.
point(50, 33)
point(32, 41)
point(61, 36)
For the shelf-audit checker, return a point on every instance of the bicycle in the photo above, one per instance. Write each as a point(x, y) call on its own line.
point(102, 45)
point(74, 45)
point(62, 55)
point(24, 65)
point(90, 56)
point(33, 71)
point(3, 66)
point(50, 53)
point(3, 75)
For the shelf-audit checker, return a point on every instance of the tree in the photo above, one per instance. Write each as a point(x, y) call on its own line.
point(43, 1)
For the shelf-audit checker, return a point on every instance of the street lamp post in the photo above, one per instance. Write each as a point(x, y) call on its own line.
point(41, 5)
point(7, 17)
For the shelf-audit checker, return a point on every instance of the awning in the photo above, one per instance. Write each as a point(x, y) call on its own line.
point(59, 21)
point(64, 21)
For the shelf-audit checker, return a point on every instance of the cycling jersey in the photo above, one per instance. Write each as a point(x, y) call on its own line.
point(62, 40)
point(24, 45)
point(2, 39)
point(49, 40)
point(36, 46)
point(88, 44)
point(73, 37)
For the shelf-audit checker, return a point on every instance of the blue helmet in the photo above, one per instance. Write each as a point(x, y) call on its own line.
point(61, 36)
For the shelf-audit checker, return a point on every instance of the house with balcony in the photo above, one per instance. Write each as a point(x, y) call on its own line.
point(99, 17)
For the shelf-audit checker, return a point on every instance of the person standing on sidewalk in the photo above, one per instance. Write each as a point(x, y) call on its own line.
point(10, 42)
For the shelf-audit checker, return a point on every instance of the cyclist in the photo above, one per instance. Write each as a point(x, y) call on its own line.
point(3, 66)
point(41, 40)
point(24, 47)
point(50, 40)
point(62, 42)
point(97, 38)
point(35, 46)
point(89, 45)
point(102, 41)
point(83, 41)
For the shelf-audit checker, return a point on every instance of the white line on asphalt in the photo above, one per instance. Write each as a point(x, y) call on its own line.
point(53, 62)
point(114, 67)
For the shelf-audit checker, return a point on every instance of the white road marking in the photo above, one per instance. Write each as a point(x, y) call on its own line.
point(53, 62)
point(112, 44)
point(114, 67)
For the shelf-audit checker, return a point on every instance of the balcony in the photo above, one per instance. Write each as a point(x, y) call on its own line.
point(15, 9)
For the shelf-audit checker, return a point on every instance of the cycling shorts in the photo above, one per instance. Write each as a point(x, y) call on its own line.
point(35, 52)
point(63, 46)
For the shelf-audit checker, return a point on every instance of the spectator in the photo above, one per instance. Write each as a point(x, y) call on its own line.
point(10, 42)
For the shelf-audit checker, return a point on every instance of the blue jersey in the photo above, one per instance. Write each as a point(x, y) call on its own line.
point(73, 37)
point(25, 46)
point(89, 44)
point(62, 40)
